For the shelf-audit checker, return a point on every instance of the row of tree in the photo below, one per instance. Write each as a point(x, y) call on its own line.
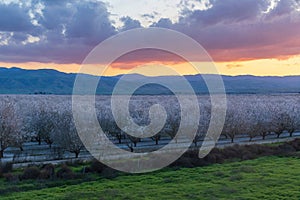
point(51, 127)
point(56, 126)
point(260, 123)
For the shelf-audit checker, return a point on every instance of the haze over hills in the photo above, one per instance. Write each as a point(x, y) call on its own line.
point(47, 81)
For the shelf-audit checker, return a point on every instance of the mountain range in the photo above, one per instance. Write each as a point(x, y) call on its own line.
point(47, 81)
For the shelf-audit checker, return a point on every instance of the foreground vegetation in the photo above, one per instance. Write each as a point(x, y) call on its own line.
point(262, 178)
point(237, 172)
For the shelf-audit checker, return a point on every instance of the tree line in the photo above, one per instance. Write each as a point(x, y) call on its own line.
point(42, 124)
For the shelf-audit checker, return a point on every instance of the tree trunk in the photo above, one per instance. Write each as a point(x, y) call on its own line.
point(77, 154)
point(1, 153)
point(156, 142)
point(232, 138)
point(291, 134)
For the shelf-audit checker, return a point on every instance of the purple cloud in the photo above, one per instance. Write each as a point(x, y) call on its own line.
point(13, 18)
point(130, 23)
point(66, 31)
point(242, 30)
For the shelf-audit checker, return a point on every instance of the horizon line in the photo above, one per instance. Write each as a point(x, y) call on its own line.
point(170, 75)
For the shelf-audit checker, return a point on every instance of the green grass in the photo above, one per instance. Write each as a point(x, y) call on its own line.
point(263, 178)
point(274, 144)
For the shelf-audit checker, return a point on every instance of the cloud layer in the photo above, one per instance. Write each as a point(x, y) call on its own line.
point(63, 31)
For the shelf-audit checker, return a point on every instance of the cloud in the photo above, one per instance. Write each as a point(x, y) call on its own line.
point(226, 11)
point(163, 23)
point(284, 8)
point(14, 19)
point(140, 57)
point(64, 31)
point(242, 30)
point(151, 16)
point(129, 23)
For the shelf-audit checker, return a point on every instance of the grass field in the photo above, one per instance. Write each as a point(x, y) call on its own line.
point(262, 178)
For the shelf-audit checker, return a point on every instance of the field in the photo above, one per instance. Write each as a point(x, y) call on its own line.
point(262, 178)
point(249, 118)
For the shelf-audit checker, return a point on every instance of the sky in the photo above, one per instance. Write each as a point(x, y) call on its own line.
point(257, 37)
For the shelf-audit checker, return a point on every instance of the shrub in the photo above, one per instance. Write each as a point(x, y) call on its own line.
point(97, 166)
point(5, 168)
point(191, 154)
point(236, 152)
point(247, 155)
point(232, 152)
point(200, 162)
point(47, 172)
point(65, 172)
point(296, 144)
point(285, 148)
point(86, 170)
point(184, 162)
point(31, 173)
point(220, 158)
point(211, 158)
point(109, 173)
point(10, 177)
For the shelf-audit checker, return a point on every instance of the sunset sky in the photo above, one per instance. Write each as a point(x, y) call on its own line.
point(257, 37)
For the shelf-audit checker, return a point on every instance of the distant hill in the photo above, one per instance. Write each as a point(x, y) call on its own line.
point(46, 81)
